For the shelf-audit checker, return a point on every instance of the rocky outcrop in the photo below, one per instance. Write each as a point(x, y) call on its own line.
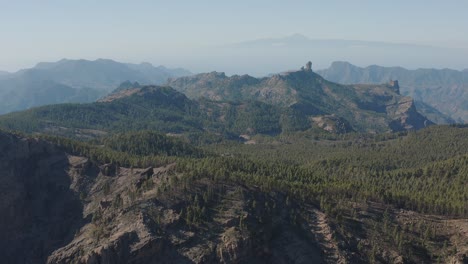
point(406, 117)
point(148, 230)
point(60, 208)
point(365, 107)
point(39, 212)
point(333, 124)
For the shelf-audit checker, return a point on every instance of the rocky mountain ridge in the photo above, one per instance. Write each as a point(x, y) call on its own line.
point(312, 95)
point(64, 201)
point(64, 208)
point(444, 89)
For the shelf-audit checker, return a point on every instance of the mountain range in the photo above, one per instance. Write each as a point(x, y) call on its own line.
point(444, 90)
point(259, 57)
point(212, 103)
point(74, 81)
point(143, 197)
point(310, 94)
point(210, 168)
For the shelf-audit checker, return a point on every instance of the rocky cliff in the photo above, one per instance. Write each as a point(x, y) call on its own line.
point(39, 212)
point(61, 208)
point(366, 108)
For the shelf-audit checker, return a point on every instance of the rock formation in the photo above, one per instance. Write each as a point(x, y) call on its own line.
point(60, 208)
point(308, 66)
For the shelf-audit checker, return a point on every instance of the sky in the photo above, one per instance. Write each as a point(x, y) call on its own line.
point(173, 32)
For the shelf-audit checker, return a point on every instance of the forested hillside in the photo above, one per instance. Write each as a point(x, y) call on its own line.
point(153, 174)
point(295, 101)
point(385, 197)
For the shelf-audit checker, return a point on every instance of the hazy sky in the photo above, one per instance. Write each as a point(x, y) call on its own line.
point(134, 31)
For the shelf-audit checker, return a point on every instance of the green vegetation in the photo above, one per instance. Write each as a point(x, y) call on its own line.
point(145, 143)
point(159, 109)
point(424, 171)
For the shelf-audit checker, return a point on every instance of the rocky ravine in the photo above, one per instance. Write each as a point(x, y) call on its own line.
point(60, 208)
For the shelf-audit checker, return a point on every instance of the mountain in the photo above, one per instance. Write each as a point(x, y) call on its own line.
point(160, 109)
point(260, 57)
point(444, 90)
point(23, 93)
point(395, 199)
point(238, 105)
point(4, 73)
point(74, 81)
point(156, 108)
point(100, 74)
point(368, 108)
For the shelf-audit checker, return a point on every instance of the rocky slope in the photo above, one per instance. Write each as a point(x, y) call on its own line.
point(39, 211)
point(61, 208)
point(444, 90)
point(368, 108)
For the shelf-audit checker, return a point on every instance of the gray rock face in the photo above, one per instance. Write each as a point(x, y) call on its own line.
point(59, 208)
point(39, 212)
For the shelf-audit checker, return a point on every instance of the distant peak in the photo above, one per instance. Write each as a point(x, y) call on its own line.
point(104, 60)
point(340, 64)
point(215, 74)
point(147, 64)
point(298, 36)
point(308, 67)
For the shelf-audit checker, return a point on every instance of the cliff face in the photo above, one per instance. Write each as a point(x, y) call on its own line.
point(406, 117)
point(196, 222)
point(60, 208)
point(39, 212)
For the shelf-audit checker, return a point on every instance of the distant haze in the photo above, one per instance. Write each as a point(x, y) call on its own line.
point(272, 55)
point(264, 56)
point(201, 35)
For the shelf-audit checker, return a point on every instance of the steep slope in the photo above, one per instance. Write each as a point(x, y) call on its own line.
point(39, 211)
point(71, 202)
point(74, 81)
point(444, 90)
point(62, 208)
point(366, 107)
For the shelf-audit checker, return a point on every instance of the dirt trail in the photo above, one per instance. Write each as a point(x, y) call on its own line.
point(323, 234)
